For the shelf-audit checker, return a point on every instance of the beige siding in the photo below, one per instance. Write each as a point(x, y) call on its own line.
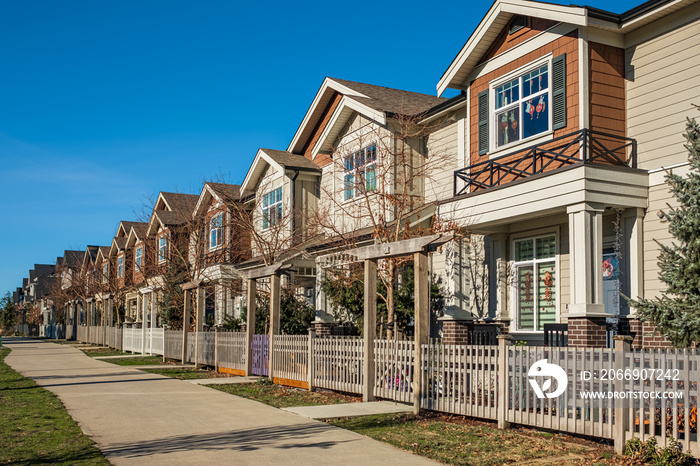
point(443, 160)
point(663, 80)
point(655, 232)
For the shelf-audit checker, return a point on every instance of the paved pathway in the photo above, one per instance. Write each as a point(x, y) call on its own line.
point(350, 410)
point(141, 418)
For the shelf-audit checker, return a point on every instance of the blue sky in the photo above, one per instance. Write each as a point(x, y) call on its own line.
point(104, 104)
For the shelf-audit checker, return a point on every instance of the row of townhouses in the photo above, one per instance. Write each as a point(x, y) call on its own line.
point(543, 176)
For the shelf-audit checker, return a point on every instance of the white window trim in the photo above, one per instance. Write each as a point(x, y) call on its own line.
point(105, 273)
point(162, 257)
point(263, 209)
point(138, 266)
point(344, 172)
point(219, 235)
point(494, 150)
point(514, 285)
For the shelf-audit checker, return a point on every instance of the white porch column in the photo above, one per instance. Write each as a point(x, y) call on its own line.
point(146, 302)
point(498, 293)
point(154, 308)
point(586, 259)
point(633, 225)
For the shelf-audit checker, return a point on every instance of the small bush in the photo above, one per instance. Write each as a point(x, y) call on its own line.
point(649, 452)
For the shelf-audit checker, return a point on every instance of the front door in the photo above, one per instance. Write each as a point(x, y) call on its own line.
point(611, 282)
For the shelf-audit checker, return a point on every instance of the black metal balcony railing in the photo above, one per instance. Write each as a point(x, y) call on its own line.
point(580, 147)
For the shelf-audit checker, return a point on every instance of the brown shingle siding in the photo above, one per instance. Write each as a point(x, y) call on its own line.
point(505, 42)
point(607, 88)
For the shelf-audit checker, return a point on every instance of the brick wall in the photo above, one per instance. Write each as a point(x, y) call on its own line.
point(587, 332)
point(324, 329)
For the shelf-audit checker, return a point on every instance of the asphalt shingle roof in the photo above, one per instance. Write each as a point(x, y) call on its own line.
point(293, 161)
point(386, 99)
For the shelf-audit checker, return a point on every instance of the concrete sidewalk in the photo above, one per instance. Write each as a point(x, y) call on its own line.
point(350, 410)
point(142, 418)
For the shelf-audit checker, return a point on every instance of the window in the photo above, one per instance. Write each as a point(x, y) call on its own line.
point(521, 107)
point(105, 272)
point(162, 249)
point(216, 230)
point(120, 266)
point(360, 172)
point(272, 208)
point(535, 280)
point(138, 257)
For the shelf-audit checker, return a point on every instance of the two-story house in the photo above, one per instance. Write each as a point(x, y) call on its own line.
point(570, 115)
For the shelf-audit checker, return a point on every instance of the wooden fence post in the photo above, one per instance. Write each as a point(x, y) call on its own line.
point(502, 383)
point(310, 360)
point(186, 323)
point(216, 349)
point(369, 330)
point(421, 312)
point(623, 343)
point(200, 302)
point(275, 298)
point(250, 324)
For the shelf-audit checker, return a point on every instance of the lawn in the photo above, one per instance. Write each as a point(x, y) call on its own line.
point(186, 373)
point(35, 427)
point(137, 361)
point(464, 442)
point(97, 352)
point(284, 397)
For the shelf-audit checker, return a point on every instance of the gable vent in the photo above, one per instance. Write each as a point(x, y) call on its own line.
point(517, 24)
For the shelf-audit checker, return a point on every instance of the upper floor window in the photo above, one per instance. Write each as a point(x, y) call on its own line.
point(138, 257)
point(162, 249)
point(272, 208)
point(120, 266)
point(360, 172)
point(535, 280)
point(105, 272)
point(521, 106)
point(216, 230)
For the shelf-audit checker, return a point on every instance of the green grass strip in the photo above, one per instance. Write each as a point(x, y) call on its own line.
point(35, 427)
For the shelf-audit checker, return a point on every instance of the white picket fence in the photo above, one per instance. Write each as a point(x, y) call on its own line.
point(291, 357)
point(337, 363)
point(460, 379)
point(489, 382)
point(393, 368)
point(231, 350)
point(663, 419)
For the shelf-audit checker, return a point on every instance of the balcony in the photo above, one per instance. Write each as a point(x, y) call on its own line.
point(579, 148)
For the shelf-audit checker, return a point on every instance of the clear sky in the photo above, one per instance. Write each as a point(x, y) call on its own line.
point(104, 104)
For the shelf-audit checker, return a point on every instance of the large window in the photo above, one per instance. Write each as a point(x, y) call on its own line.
point(105, 272)
point(162, 249)
point(535, 280)
point(272, 208)
point(521, 106)
point(216, 230)
point(360, 172)
point(138, 258)
point(120, 266)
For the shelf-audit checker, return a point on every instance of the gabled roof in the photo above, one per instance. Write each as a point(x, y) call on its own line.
point(375, 102)
point(222, 192)
point(118, 245)
point(278, 159)
point(138, 232)
point(72, 259)
point(457, 75)
point(125, 227)
point(89, 256)
point(171, 209)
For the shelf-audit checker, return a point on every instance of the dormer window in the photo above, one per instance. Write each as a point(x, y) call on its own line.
point(521, 106)
point(272, 208)
point(216, 230)
point(120, 266)
point(138, 258)
point(162, 249)
point(360, 172)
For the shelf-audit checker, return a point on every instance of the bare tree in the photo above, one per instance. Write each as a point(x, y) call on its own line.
point(378, 190)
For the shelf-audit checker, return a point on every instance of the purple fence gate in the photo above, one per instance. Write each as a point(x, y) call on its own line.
point(261, 350)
